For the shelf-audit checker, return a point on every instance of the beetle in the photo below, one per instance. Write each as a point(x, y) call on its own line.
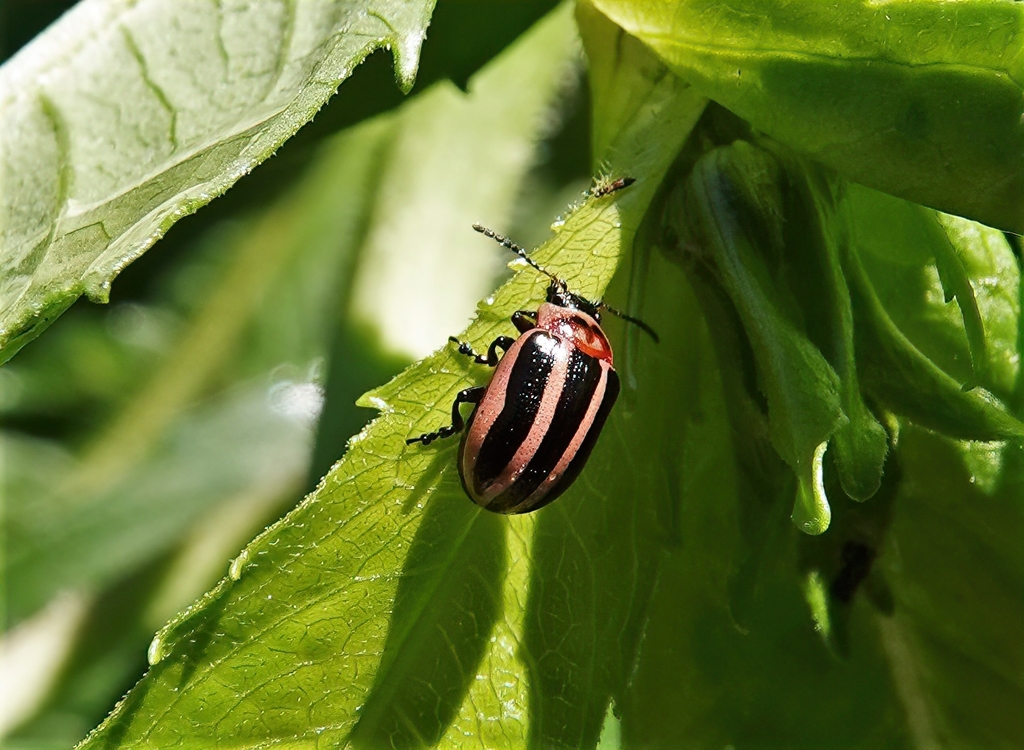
point(534, 425)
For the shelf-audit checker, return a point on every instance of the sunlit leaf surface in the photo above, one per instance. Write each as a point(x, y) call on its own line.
point(122, 118)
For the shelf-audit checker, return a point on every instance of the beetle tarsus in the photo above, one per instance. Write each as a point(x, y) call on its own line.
point(465, 348)
point(466, 396)
point(502, 342)
point(491, 358)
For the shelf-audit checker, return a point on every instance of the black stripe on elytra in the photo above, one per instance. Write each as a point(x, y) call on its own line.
point(582, 377)
point(523, 395)
point(611, 392)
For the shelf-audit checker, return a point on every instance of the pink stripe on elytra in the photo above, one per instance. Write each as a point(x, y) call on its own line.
point(560, 356)
point(574, 445)
point(488, 410)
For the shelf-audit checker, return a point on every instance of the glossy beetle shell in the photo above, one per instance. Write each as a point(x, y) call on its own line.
point(533, 430)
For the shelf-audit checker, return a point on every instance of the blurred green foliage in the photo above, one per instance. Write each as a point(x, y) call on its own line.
point(804, 523)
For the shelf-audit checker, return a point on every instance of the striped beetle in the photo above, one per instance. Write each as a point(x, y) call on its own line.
point(536, 422)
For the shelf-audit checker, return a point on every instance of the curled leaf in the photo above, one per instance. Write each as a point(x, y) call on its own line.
point(914, 377)
point(729, 212)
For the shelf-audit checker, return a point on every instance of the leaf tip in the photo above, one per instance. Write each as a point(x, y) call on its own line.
point(811, 511)
point(406, 51)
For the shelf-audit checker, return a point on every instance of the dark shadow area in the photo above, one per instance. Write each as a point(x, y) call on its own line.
point(21, 20)
point(446, 605)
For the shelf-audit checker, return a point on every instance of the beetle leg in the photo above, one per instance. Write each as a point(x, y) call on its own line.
point(502, 342)
point(524, 320)
point(467, 396)
point(465, 348)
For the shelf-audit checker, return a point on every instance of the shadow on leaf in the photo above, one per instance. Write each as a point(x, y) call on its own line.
point(447, 602)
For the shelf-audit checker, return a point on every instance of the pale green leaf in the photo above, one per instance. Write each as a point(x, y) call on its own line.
point(122, 118)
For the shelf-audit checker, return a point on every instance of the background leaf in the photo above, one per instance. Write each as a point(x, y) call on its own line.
point(192, 101)
point(127, 497)
point(921, 100)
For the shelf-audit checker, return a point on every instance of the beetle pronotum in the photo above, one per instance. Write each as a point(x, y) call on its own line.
point(534, 425)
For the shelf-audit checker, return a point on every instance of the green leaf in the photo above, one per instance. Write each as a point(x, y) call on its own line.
point(812, 264)
point(93, 359)
point(446, 604)
point(597, 553)
point(705, 678)
point(921, 100)
point(956, 284)
point(925, 377)
point(194, 95)
point(926, 671)
point(342, 633)
point(910, 384)
point(730, 210)
point(81, 544)
point(957, 669)
point(275, 280)
point(666, 600)
point(994, 275)
point(623, 74)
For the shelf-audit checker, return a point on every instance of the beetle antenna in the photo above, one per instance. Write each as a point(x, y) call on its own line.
point(510, 245)
point(630, 319)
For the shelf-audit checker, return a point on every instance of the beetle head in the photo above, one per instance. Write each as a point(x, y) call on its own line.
point(558, 291)
point(559, 294)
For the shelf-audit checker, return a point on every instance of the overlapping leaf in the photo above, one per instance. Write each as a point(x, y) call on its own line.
point(923, 367)
point(921, 100)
